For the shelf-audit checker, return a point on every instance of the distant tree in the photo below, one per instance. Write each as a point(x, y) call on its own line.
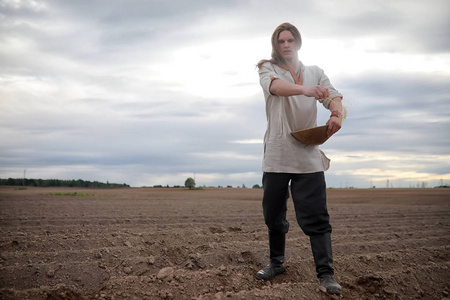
point(256, 186)
point(189, 183)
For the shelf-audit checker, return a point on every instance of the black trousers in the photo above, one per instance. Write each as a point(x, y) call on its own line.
point(309, 195)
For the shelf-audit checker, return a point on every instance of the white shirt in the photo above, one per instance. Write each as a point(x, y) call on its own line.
point(282, 152)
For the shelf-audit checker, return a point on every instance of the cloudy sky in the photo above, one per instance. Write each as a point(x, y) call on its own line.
point(149, 92)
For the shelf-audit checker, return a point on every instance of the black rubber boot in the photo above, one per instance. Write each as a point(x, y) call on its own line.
point(329, 285)
point(270, 271)
point(277, 243)
point(323, 258)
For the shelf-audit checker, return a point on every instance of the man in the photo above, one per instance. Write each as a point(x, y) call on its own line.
point(291, 90)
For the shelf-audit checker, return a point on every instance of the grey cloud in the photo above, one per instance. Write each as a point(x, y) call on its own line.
point(407, 26)
point(395, 112)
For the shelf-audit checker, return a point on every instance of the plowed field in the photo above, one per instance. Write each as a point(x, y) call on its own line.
point(208, 244)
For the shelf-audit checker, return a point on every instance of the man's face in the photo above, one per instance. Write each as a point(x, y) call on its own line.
point(287, 45)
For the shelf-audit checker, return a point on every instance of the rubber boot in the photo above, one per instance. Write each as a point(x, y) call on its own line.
point(323, 258)
point(277, 243)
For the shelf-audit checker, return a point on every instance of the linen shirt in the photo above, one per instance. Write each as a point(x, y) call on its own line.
point(282, 152)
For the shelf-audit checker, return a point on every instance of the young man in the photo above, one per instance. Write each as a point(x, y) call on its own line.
point(291, 91)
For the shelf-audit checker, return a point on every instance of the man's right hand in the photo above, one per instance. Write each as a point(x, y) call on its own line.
point(318, 92)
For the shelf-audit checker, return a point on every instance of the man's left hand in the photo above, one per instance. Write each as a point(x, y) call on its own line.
point(334, 124)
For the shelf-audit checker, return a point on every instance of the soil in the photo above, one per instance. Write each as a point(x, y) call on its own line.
point(147, 243)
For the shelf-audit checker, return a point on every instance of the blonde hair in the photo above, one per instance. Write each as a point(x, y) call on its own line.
point(276, 56)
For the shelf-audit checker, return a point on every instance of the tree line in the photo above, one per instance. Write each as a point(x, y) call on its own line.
point(59, 183)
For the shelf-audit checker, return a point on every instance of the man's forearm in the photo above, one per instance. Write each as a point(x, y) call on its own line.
point(284, 88)
point(336, 105)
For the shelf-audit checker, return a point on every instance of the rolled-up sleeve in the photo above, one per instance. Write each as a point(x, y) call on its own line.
point(266, 75)
point(325, 82)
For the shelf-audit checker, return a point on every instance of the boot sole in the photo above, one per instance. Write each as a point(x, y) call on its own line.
point(330, 291)
point(276, 274)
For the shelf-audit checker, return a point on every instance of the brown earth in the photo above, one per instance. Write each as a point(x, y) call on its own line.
point(208, 244)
